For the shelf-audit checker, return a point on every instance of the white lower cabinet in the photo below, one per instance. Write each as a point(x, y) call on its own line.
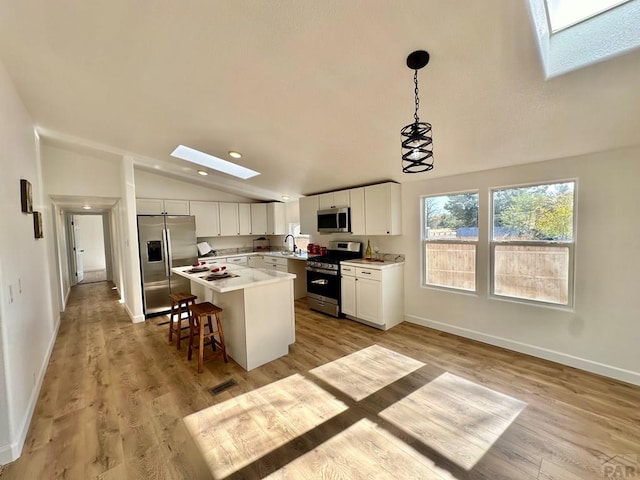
point(348, 294)
point(290, 265)
point(256, 261)
point(276, 263)
point(241, 260)
point(373, 295)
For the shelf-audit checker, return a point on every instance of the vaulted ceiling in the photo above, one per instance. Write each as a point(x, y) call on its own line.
point(313, 93)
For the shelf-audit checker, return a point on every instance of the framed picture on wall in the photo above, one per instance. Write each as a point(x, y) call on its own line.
point(37, 225)
point(26, 198)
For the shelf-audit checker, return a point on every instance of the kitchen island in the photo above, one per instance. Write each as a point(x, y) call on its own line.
point(258, 317)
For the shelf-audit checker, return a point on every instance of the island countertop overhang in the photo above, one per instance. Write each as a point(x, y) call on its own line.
point(247, 277)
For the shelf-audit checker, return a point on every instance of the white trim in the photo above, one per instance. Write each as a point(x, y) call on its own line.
point(66, 299)
point(540, 352)
point(134, 318)
point(12, 452)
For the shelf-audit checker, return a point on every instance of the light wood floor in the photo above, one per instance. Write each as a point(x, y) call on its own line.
point(93, 276)
point(115, 396)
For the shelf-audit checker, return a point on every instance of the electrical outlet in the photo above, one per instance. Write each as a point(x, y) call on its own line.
point(20, 285)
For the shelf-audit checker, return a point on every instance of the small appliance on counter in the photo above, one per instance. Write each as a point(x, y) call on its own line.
point(204, 249)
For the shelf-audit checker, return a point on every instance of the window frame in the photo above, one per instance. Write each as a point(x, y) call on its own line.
point(537, 243)
point(425, 241)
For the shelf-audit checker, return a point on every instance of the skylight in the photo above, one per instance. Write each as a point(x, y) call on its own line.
point(565, 13)
point(573, 34)
point(205, 160)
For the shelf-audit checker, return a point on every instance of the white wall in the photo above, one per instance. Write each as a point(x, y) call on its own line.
point(92, 241)
point(132, 290)
point(149, 185)
point(67, 172)
point(28, 324)
point(601, 333)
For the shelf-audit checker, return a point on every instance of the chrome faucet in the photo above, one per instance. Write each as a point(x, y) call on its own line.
point(295, 247)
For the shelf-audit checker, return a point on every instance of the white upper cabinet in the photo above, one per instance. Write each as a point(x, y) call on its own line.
point(356, 201)
point(177, 207)
point(276, 224)
point(258, 219)
point(207, 218)
point(244, 218)
point(158, 206)
point(309, 214)
point(383, 213)
point(229, 222)
point(333, 199)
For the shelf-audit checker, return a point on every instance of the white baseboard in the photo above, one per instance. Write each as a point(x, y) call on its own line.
point(134, 318)
point(5, 454)
point(540, 352)
point(9, 453)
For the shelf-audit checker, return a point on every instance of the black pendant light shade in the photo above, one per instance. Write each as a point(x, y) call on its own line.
point(417, 144)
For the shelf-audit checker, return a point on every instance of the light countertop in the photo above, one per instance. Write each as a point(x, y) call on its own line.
point(375, 264)
point(246, 277)
point(301, 256)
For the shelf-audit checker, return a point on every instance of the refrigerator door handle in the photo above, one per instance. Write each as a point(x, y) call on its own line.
point(169, 256)
point(165, 247)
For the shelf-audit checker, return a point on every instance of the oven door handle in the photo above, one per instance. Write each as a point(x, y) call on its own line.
point(320, 281)
point(325, 272)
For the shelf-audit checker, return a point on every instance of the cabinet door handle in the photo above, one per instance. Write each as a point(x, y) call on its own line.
point(366, 273)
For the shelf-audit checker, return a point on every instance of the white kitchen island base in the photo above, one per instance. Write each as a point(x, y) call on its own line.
point(258, 322)
point(258, 316)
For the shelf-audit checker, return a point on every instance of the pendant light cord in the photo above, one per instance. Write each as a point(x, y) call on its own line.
point(415, 81)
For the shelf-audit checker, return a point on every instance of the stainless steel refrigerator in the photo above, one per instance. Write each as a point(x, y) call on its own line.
point(165, 242)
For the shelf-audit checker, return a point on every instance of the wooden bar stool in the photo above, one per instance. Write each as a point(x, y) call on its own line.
point(201, 313)
point(180, 303)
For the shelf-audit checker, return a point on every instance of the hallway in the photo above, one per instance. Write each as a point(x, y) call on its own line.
point(112, 399)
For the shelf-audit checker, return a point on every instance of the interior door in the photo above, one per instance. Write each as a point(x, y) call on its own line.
point(78, 251)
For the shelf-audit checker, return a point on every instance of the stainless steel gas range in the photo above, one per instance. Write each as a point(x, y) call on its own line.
point(323, 276)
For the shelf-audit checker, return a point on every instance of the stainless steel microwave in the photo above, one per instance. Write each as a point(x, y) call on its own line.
point(334, 220)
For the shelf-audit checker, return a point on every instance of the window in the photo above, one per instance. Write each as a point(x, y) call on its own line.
point(450, 240)
point(565, 13)
point(533, 242)
point(302, 239)
point(573, 34)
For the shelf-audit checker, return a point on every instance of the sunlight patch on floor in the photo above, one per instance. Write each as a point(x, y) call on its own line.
point(364, 450)
point(458, 418)
point(366, 371)
point(239, 431)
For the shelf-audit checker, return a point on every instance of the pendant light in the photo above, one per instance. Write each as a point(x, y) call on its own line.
point(417, 145)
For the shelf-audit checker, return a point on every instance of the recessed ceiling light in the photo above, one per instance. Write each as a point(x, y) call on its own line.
point(204, 159)
point(202, 172)
point(285, 197)
point(87, 207)
point(235, 154)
